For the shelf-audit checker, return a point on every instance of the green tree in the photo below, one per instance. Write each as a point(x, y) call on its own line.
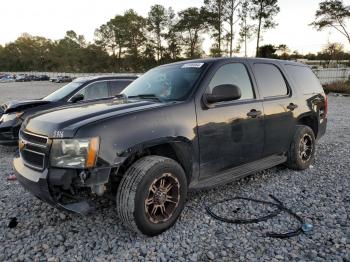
point(192, 23)
point(119, 26)
point(231, 16)
point(283, 51)
point(264, 12)
point(332, 14)
point(172, 35)
point(26, 53)
point(246, 30)
point(267, 51)
point(74, 37)
point(67, 52)
point(104, 37)
point(157, 21)
point(112, 36)
point(333, 51)
point(215, 18)
point(135, 40)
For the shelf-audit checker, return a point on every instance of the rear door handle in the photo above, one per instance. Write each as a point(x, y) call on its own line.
point(254, 113)
point(292, 106)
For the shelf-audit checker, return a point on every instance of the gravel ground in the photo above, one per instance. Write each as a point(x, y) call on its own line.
point(26, 90)
point(320, 195)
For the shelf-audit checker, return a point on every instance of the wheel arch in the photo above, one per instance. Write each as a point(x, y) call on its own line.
point(309, 120)
point(179, 149)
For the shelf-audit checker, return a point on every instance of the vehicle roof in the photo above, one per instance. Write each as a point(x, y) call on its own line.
point(105, 77)
point(217, 59)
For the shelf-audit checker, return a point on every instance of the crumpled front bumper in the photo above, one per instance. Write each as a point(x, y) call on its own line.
point(9, 132)
point(37, 183)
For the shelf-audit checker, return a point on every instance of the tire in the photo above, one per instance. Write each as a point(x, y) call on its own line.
point(135, 187)
point(300, 158)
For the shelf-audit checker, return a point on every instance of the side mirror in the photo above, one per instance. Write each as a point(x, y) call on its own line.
point(77, 98)
point(223, 93)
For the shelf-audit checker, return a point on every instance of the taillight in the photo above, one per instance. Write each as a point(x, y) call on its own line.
point(325, 105)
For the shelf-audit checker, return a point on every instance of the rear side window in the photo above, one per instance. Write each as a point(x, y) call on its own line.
point(233, 74)
point(270, 80)
point(118, 86)
point(95, 90)
point(306, 81)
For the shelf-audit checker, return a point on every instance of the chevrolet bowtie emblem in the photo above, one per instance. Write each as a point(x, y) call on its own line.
point(21, 144)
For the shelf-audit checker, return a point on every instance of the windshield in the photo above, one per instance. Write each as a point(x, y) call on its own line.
point(168, 83)
point(62, 92)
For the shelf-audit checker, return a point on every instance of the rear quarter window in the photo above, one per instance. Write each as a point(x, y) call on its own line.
point(270, 80)
point(305, 79)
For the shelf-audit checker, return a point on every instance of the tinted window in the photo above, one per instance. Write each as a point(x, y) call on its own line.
point(118, 86)
point(270, 80)
point(305, 79)
point(95, 91)
point(233, 74)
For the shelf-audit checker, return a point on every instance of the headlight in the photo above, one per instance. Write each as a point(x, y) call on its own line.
point(74, 153)
point(10, 117)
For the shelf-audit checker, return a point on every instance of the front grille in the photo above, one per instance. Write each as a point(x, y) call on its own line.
point(33, 159)
point(33, 150)
point(33, 138)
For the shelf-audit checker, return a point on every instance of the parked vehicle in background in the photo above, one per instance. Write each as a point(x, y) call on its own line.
point(27, 78)
point(63, 79)
point(184, 126)
point(23, 78)
point(43, 78)
point(33, 78)
point(81, 90)
point(7, 79)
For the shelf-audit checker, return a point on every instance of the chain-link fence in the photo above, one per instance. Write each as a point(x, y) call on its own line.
point(331, 75)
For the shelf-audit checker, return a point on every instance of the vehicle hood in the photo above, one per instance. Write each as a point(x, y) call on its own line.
point(15, 106)
point(65, 121)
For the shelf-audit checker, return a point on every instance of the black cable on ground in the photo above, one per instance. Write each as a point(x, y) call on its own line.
point(280, 207)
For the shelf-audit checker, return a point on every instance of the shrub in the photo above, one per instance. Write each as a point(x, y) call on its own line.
point(337, 87)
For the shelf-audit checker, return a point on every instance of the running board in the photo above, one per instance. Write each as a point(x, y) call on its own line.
point(238, 172)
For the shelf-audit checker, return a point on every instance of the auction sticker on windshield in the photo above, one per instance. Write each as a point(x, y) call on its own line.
point(193, 65)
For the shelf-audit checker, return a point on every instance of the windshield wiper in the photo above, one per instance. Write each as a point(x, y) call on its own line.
point(147, 96)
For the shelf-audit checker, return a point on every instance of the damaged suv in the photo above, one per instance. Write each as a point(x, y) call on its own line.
point(183, 126)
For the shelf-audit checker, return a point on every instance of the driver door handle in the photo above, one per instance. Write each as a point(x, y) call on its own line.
point(254, 113)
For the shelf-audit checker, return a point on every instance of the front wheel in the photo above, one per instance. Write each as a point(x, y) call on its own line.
point(151, 195)
point(302, 150)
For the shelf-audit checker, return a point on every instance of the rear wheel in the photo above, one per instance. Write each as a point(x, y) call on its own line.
point(151, 195)
point(302, 150)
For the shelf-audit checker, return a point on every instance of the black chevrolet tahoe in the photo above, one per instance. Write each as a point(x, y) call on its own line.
point(81, 90)
point(179, 127)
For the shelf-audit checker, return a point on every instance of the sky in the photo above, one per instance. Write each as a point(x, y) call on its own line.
point(52, 18)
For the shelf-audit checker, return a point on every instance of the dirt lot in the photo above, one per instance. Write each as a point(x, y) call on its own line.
point(320, 194)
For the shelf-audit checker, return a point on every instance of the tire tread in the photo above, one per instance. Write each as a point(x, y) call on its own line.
point(125, 199)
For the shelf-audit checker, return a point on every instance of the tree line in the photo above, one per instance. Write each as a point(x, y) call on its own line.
point(130, 42)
